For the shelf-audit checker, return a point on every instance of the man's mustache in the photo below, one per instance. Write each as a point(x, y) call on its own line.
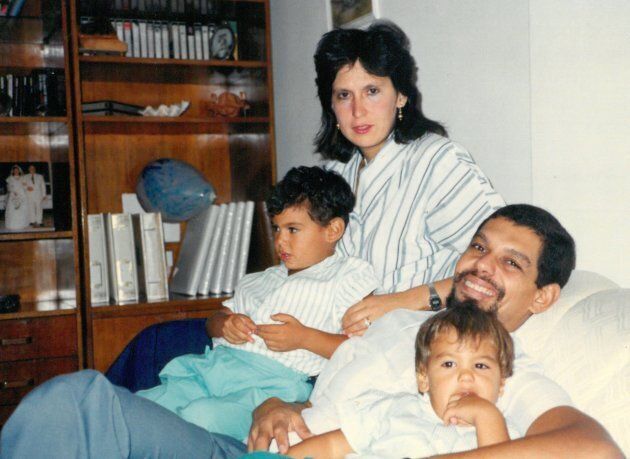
point(460, 276)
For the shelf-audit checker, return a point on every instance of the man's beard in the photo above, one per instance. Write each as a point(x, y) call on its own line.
point(452, 301)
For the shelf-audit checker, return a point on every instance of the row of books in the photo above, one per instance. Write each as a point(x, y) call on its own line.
point(42, 92)
point(177, 40)
point(127, 258)
point(11, 8)
point(167, 6)
point(214, 251)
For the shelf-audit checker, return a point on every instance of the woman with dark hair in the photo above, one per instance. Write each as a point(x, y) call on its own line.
point(419, 195)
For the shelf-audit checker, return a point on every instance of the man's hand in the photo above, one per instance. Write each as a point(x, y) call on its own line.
point(283, 337)
point(238, 328)
point(371, 308)
point(275, 419)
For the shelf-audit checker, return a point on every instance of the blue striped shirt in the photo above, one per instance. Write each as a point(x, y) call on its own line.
point(418, 206)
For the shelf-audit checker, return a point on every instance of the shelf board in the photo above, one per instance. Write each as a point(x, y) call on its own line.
point(32, 119)
point(33, 125)
point(42, 308)
point(176, 303)
point(179, 62)
point(174, 120)
point(36, 235)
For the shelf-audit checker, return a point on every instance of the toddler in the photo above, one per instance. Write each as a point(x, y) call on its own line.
point(463, 357)
point(282, 324)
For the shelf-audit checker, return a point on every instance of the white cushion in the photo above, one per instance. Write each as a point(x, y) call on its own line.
point(588, 353)
point(535, 331)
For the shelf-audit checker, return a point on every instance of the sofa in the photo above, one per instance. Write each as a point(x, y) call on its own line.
point(582, 342)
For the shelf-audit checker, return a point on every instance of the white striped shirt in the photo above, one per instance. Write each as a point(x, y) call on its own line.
point(317, 296)
point(418, 206)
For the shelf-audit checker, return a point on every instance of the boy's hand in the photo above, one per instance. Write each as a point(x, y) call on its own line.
point(283, 337)
point(238, 328)
point(469, 410)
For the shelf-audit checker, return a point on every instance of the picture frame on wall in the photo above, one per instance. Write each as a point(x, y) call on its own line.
point(351, 13)
point(26, 202)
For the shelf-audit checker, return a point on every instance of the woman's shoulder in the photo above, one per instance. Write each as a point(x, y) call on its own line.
point(434, 149)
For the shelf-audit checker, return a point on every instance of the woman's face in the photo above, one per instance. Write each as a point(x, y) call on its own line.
point(15, 172)
point(365, 106)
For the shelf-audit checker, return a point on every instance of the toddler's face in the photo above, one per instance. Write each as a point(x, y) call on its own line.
point(299, 241)
point(458, 368)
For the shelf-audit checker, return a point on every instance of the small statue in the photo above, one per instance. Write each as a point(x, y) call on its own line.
point(227, 104)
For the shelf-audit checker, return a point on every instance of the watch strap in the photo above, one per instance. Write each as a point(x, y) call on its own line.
point(435, 302)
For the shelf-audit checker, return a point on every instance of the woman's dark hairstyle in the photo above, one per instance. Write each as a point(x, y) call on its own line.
point(326, 194)
point(557, 256)
point(471, 325)
point(383, 50)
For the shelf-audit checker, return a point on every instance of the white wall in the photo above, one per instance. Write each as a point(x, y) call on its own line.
point(581, 125)
point(537, 90)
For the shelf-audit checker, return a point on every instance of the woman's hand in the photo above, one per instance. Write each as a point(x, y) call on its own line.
point(359, 317)
point(283, 337)
point(275, 419)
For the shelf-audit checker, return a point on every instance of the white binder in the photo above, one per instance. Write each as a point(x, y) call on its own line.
point(222, 257)
point(123, 274)
point(194, 251)
point(211, 257)
point(150, 256)
point(99, 282)
point(227, 282)
point(246, 235)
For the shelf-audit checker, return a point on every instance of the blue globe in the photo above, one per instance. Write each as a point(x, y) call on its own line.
point(174, 188)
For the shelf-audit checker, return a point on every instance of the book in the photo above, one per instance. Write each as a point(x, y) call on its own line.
point(127, 38)
point(227, 282)
point(193, 252)
point(183, 46)
point(150, 40)
point(166, 53)
point(205, 42)
point(110, 107)
point(213, 250)
point(246, 235)
point(123, 273)
point(175, 41)
point(198, 45)
point(99, 282)
point(157, 32)
point(144, 45)
point(135, 38)
point(16, 7)
point(216, 286)
point(150, 256)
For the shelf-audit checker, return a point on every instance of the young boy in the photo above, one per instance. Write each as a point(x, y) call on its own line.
point(282, 324)
point(463, 357)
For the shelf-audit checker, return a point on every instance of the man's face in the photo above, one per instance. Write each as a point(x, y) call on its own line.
point(31, 169)
point(498, 271)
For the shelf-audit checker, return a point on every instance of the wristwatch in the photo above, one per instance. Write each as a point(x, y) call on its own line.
point(435, 303)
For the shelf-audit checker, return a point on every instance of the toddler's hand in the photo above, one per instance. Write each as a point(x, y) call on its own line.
point(238, 329)
point(467, 409)
point(283, 337)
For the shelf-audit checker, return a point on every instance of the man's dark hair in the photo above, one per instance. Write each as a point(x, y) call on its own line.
point(557, 256)
point(383, 50)
point(471, 325)
point(326, 194)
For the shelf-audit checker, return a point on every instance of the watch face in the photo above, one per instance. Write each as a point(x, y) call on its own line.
point(222, 43)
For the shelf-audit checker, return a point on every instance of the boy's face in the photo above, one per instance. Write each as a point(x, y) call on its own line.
point(300, 242)
point(458, 368)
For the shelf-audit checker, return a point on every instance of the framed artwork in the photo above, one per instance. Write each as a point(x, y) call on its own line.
point(25, 197)
point(351, 13)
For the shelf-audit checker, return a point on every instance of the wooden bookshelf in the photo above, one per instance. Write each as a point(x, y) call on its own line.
point(43, 337)
point(236, 153)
